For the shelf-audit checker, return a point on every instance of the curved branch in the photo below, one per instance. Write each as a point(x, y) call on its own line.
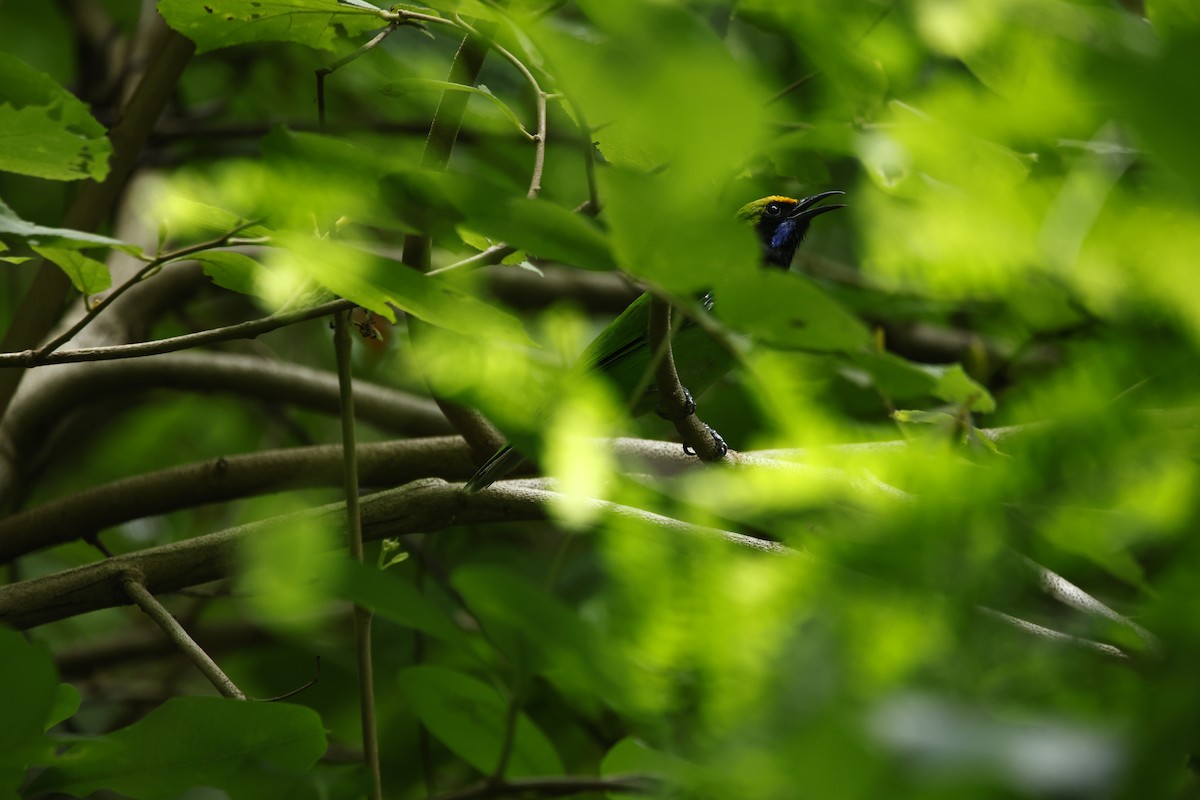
point(425, 506)
point(65, 390)
point(82, 514)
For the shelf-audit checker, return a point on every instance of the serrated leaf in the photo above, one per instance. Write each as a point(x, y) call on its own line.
point(87, 274)
point(45, 131)
point(188, 742)
point(469, 717)
point(213, 24)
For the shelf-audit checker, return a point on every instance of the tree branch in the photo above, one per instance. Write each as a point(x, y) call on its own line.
point(132, 582)
point(241, 330)
point(424, 506)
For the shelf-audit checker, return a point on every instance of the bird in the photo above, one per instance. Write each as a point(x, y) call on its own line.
point(621, 351)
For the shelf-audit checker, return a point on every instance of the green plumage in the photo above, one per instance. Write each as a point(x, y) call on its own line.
point(622, 350)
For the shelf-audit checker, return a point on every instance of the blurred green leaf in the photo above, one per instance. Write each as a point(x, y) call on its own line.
point(375, 283)
point(395, 598)
point(468, 716)
point(45, 131)
point(245, 748)
point(788, 310)
point(568, 650)
point(546, 230)
point(411, 84)
point(229, 270)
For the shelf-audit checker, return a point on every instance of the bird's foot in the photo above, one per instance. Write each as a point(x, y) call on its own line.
point(686, 410)
point(718, 443)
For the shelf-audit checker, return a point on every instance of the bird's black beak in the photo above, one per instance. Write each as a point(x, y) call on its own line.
point(807, 208)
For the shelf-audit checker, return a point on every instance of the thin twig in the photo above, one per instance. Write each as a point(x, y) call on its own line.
point(151, 267)
point(241, 330)
point(362, 616)
point(132, 582)
point(343, 61)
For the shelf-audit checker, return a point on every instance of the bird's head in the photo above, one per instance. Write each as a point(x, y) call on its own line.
point(781, 223)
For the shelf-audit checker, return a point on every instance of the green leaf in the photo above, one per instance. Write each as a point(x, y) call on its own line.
point(547, 231)
point(902, 379)
point(468, 716)
point(407, 85)
point(87, 274)
point(66, 703)
point(30, 697)
point(395, 598)
point(213, 24)
point(374, 282)
point(45, 131)
point(234, 271)
point(248, 749)
point(11, 224)
point(633, 757)
point(788, 310)
point(568, 650)
point(954, 385)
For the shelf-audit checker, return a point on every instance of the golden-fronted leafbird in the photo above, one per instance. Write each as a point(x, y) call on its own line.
point(621, 351)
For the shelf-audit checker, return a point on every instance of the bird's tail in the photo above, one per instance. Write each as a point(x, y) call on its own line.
point(505, 460)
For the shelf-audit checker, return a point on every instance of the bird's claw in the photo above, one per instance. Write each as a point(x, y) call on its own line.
point(718, 443)
point(688, 408)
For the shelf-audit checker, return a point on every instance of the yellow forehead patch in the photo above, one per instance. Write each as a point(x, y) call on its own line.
point(752, 210)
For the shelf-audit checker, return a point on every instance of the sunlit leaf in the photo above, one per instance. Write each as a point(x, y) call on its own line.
point(214, 24)
point(45, 131)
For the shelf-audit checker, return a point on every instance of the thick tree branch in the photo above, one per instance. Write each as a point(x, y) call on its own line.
point(84, 513)
point(423, 506)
